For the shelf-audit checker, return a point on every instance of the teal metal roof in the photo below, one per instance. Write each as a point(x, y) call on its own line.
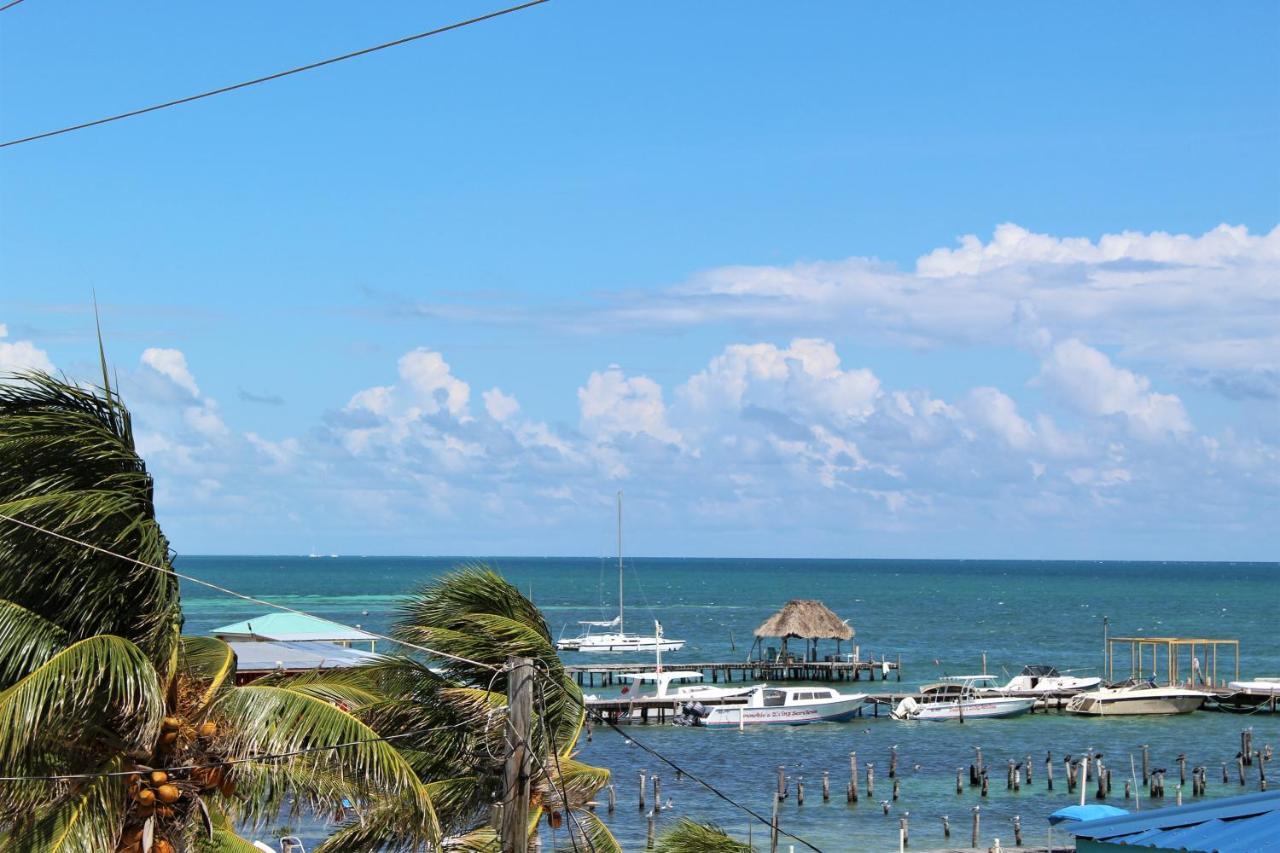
point(1244, 824)
point(290, 626)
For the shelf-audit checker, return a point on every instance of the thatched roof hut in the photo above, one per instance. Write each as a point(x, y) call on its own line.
point(807, 618)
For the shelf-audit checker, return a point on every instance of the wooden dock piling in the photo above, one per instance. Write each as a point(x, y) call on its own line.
point(977, 822)
point(643, 783)
point(871, 780)
point(826, 786)
point(1146, 766)
point(657, 793)
point(1048, 769)
point(853, 777)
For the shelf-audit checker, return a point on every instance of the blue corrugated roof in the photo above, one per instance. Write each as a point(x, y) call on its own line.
point(290, 626)
point(1245, 824)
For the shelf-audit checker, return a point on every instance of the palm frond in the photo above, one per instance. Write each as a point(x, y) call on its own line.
point(103, 682)
point(273, 720)
point(211, 663)
point(224, 839)
point(87, 818)
point(598, 836)
point(391, 823)
point(27, 640)
point(68, 464)
point(689, 836)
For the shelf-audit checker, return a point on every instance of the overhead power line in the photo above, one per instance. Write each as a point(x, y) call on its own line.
point(168, 571)
point(9, 5)
point(310, 67)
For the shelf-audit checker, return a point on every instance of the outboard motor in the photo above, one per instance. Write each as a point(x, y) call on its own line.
point(691, 714)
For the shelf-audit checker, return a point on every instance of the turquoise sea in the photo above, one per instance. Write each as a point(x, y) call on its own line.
point(939, 615)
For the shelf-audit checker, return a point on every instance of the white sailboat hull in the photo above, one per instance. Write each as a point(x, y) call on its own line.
point(618, 643)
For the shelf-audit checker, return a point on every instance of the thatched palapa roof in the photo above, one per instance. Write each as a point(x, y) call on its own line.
point(805, 617)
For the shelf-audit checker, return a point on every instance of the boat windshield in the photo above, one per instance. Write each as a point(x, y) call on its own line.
point(773, 698)
point(1040, 671)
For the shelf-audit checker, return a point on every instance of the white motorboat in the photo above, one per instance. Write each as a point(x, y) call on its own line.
point(961, 697)
point(1134, 697)
point(1047, 680)
point(616, 640)
point(791, 706)
point(690, 692)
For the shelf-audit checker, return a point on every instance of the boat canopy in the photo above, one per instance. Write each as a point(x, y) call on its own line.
point(975, 680)
point(674, 675)
point(1040, 671)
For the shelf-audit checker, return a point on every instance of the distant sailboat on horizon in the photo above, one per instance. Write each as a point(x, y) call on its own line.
point(619, 640)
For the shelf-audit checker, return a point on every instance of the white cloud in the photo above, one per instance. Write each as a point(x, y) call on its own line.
point(428, 374)
point(172, 364)
point(997, 411)
point(1086, 379)
point(1174, 300)
point(500, 406)
point(805, 377)
point(20, 356)
point(612, 404)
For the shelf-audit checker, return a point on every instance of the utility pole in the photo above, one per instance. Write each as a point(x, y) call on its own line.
point(517, 773)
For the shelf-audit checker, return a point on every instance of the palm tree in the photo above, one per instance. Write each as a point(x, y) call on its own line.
point(97, 683)
point(448, 716)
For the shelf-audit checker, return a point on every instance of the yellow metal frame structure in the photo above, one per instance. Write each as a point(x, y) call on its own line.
point(1150, 650)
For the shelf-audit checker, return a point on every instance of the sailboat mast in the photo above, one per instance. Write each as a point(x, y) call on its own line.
point(620, 625)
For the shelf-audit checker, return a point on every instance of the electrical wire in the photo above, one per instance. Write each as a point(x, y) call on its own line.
point(577, 698)
point(9, 5)
point(239, 595)
point(232, 761)
point(276, 76)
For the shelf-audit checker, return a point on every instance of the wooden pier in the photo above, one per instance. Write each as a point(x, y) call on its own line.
point(604, 675)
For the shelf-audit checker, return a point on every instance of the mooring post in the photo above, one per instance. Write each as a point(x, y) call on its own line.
point(613, 798)
point(1182, 768)
point(984, 782)
point(871, 779)
point(799, 790)
point(895, 788)
point(1048, 769)
point(853, 777)
point(826, 786)
point(651, 833)
point(782, 782)
point(959, 785)
point(904, 827)
point(1008, 776)
point(657, 793)
point(978, 750)
point(946, 827)
point(1126, 789)
point(977, 820)
point(893, 761)
point(1028, 766)
point(1146, 766)
point(643, 783)
point(1240, 767)
point(773, 825)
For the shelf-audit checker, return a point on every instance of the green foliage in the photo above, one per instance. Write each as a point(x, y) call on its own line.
point(68, 464)
point(689, 836)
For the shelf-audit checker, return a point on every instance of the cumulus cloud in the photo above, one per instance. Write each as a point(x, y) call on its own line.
point(1201, 306)
point(171, 364)
point(500, 406)
point(19, 356)
point(614, 404)
point(1087, 380)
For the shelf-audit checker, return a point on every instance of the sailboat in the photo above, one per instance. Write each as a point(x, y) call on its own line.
point(617, 640)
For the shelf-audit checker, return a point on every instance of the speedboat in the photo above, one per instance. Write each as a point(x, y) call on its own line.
point(1048, 681)
point(961, 697)
point(1136, 696)
point(792, 706)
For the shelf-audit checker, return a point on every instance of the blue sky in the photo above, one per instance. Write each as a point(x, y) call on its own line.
point(821, 279)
